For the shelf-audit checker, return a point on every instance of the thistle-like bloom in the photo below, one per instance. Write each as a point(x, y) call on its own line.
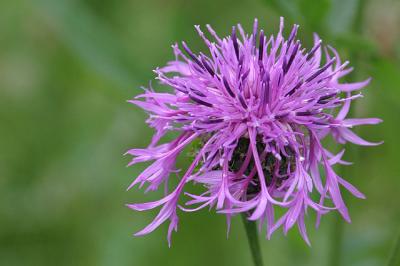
point(258, 107)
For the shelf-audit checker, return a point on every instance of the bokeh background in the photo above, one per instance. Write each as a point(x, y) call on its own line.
point(67, 68)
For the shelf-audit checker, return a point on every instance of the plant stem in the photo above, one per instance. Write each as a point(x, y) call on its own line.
point(336, 243)
point(252, 237)
point(395, 254)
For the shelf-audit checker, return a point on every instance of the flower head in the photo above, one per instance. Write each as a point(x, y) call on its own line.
point(259, 107)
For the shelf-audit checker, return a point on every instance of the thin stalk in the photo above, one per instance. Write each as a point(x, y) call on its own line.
point(394, 257)
point(336, 242)
point(252, 237)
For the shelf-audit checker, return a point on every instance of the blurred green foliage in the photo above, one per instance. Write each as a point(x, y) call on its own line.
point(67, 68)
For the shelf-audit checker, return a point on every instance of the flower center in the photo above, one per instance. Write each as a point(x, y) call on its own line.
point(275, 171)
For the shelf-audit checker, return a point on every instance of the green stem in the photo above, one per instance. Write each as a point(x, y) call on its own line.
point(336, 243)
point(252, 237)
point(394, 258)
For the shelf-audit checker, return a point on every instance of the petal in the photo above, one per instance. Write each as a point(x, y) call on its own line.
point(350, 136)
point(345, 109)
point(172, 226)
point(347, 87)
point(259, 211)
point(151, 205)
point(337, 197)
point(166, 211)
point(361, 121)
point(293, 214)
point(352, 189)
point(302, 228)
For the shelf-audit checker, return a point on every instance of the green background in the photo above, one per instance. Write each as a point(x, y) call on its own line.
point(66, 70)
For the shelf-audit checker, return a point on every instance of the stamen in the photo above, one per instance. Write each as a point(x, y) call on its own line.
point(295, 88)
point(266, 80)
point(214, 121)
point(200, 101)
point(307, 113)
point(244, 76)
point(326, 97)
point(228, 88)
point(199, 93)
point(294, 52)
point(318, 72)
point(261, 46)
point(313, 50)
point(293, 33)
point(191, 54)
point(255, 30)
point(207, 66)
point(235, 42)
point(242, 101)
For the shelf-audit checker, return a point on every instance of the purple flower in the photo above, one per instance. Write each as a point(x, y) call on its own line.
point(259, 107)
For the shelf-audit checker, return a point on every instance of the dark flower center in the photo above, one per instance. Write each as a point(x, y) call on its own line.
point(275, 171)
